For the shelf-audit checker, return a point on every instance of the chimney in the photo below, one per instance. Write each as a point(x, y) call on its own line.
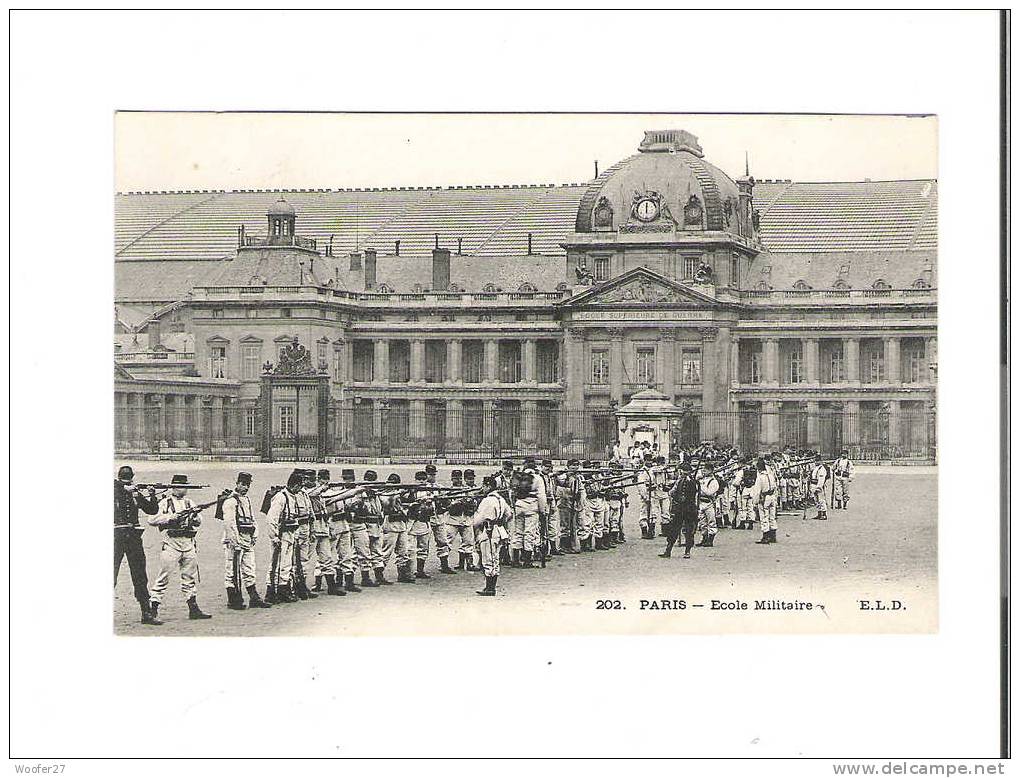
point(440, 270)
point(355, 260)
point(396, 248)
point(153, 331)
point(369, 269)
point(529, 244)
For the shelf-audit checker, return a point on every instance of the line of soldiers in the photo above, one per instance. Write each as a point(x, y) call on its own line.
point(332, 531)
point(707, 489)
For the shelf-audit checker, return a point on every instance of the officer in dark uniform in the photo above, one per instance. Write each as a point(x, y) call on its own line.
point(127, 536)
point(683, 511)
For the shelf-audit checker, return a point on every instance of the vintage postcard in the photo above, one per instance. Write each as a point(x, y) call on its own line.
point(690, 389)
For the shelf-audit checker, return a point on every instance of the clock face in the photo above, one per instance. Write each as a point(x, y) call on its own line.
point(647, 210)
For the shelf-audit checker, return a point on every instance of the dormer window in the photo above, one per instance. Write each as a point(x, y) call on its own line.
point(384, 289)
point(921, 283)
point(802, 286)
point(880, 284)
point(841, 284)
point(528, 288)
point(490, 289)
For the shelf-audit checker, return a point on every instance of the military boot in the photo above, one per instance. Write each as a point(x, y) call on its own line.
point(469, 562)
point(349, 584)
point(271, 596)
point(444, 566)
point(527, 558)
point(490, 587)
point(318, 584)
point(332, 587)
point(366, 579)
point(772, 536)
point(404, 573)
point(254, 601)
point(150, 614)
point(420, 570)
point(234, 599)
point(764, 539)
point(380, 577)
point(460, 561)
point(194, 612)
point(284, 594)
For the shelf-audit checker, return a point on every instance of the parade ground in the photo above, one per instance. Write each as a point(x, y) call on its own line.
point(871, 568)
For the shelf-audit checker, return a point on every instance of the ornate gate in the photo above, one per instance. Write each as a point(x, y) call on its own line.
point(294, 408)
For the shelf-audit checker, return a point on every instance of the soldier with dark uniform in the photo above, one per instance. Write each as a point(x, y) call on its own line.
point(683, 505)
point(178, 519)
point(127, 536)
point(240, 534)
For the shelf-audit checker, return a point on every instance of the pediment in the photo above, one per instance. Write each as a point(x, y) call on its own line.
point(637, 287)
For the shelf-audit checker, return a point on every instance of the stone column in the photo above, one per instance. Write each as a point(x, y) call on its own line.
point(340, 355)
point(892, 360)
point(894, 422)
point(166, 435)
point(770, 423)
point(217, 422)
point(709, 375)
point(416, 424)
point(417, 361)
point(810, 348)
point(529, 365)
point(852, 359)
point(616, 365)
point(931, 357)
point(492, 361)
point(381, 362)
point(723, 374)
point(453, 360)
point(454, 424)
point(813, 410)
point(573, 347)
point(771, 361)
point(137, 408)
point(734, 361)
point(667, 342)
point(529, 424)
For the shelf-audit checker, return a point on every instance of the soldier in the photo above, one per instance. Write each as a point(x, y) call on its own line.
point(395, 543)
point(616, 500)
point(819, 475)
point(552, 525)
point(490, 520)
point(179, 521)
point(281, 520)
point(570, 496)
point(763, 495)
point(340, 533)
point(683, 511)
point(598, 507)
point(530, 504)
point(321, 540)
point(459, 523)
point(659, 491)
point(708, 492)
point(437, 522)
point(646, 487)
point(370, 512)
point(421, 526)
point(842, 475)
point(127, 536)
point(240, 534)
point(504, 482)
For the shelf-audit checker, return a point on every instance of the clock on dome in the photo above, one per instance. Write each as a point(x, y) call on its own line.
point(646, 209)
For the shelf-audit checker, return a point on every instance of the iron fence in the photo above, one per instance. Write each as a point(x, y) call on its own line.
point(471, 433)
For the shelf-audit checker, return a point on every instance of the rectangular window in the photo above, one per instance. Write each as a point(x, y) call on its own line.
point(913, 365)
point(690, 367)
point(473, 356)
point(600, 366)
point(509, 361)
point(793, 364)
point(874, 364)
point(473, 424)
point(364, 361)
point(400, 361)
point(320, 356)
point(689, 267)
point(250, 415)
point(285, 421)
point(645, 365)
point(548, 352)
point(735, 272)
point(435, 361)
point(836, 363)
point(217, 313)
point(251, 361)
point(600, 268)
point(363, 421)
point(754, 367)
point(218, 362)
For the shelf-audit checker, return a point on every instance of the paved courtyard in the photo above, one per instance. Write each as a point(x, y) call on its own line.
point(881, 550)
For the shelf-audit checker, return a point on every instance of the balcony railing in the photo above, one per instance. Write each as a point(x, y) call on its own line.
point(849, 295)
point(281, 240)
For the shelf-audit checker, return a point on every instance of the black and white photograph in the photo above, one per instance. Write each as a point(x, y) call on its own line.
point(701, 399)
point(620, 384)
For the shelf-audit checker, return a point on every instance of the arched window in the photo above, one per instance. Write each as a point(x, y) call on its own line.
point(880, 284)
point(840, 284)
point(764, 286)
point(527, 287)
point(384, 289)
point(802, 286)
point(490, 289)
point(454, 288)
point(921, 283)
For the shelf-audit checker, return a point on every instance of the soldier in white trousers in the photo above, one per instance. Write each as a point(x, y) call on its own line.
point(458, 524)
point(178, 520)
point(529, 504)
point(816, 482)
point(282, 523)
point(842, 474)
point(240, 534)
point(764, 494)
point(490, 520)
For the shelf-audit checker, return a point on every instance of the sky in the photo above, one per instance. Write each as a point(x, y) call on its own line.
point(184, 151)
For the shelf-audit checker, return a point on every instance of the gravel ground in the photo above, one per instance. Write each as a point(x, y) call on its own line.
point(882, 548)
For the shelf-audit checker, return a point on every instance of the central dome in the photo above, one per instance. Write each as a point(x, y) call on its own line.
point(281, 208)
point(670, 170)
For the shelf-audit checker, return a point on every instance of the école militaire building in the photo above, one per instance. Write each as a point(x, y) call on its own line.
point(470, 322)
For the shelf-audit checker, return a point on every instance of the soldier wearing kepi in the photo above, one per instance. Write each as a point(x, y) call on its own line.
point(683, 508)
point(646, 489)
point(842, 475)
point(396, 543)
point(490, 520)
point(660, 489)
point(282, 523)
point(321, 541)
point(552, 526)
point(370, 511)
point(819, 475)
point(303, 536)
point(570, 494)
point(530, 504)
point(421, 526)
point(708, 491)
point(458, 523)
point(127, 536)
point(340, 533)
point(179, 521)
point(763, 495)
point(240, 533)
point(437, 523)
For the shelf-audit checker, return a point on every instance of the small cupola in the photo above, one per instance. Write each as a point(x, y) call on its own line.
point(281, 219)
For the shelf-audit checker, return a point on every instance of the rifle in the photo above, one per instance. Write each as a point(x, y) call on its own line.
point(164, 487)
